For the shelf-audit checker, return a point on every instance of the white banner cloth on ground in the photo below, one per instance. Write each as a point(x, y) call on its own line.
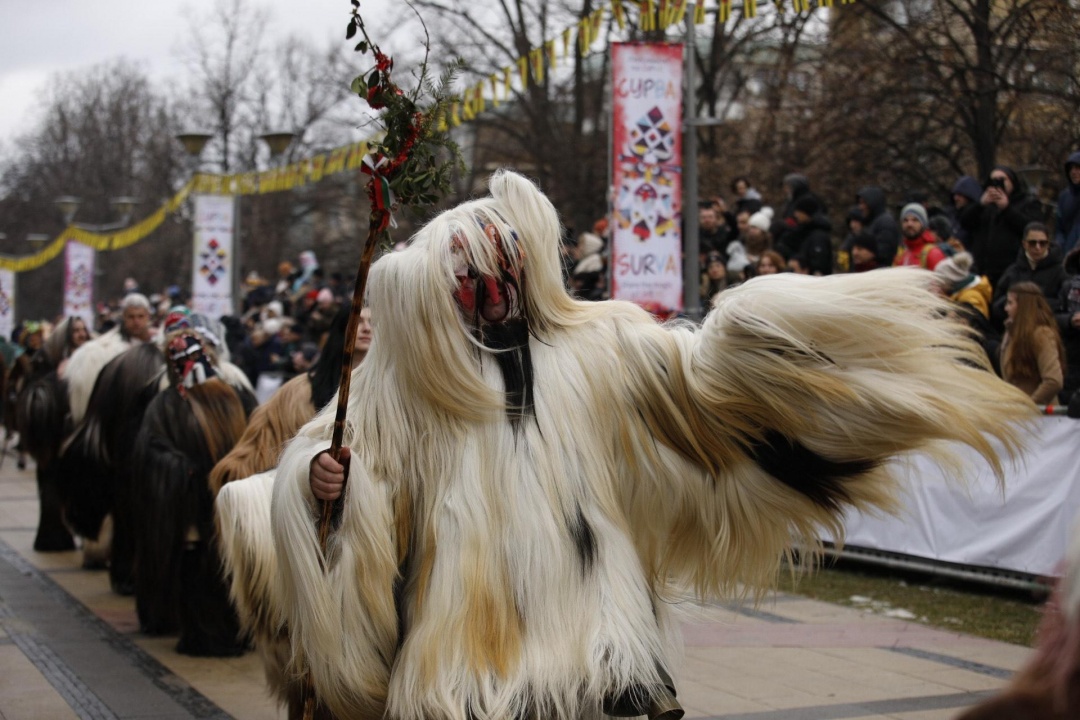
point(646, 235)
point(212, 269)
point(79, 282)
point(1025, 529)
point(7, 303)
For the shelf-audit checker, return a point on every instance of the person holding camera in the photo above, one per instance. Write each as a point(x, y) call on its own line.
point(996, 223)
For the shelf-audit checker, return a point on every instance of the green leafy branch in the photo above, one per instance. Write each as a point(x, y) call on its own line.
point(415, 158)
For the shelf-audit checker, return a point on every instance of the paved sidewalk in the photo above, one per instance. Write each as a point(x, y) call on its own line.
point(69, 648)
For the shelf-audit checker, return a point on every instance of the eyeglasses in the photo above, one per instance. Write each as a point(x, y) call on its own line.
point(1037, 243)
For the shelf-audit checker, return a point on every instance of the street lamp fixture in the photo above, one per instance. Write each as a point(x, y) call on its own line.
point(194, 142)
point(69, 205)
point(124, 205)
point(278, 142)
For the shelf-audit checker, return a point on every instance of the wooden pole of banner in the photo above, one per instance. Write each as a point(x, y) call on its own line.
point(691, 249)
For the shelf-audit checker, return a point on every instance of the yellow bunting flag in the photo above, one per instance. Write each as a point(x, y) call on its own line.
point(583, 37)
point(724, 11)
point(648, 17)
point(494, 80)
point(454, 119)
point(617, 12)
point(536, 59)
point(597, 22)
point(680, 11)
point(699, 12)
point(801, 5)
point(523, 71)
point(549, 47)
point(750, 8)
point(566, 35)
point(507, 72)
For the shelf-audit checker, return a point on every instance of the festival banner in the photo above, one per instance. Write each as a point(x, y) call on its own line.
point(79, 282)
point(7, 303)
point(646, 239)
point(212, 269)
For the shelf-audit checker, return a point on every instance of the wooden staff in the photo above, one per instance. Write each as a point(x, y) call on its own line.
point(379, 218)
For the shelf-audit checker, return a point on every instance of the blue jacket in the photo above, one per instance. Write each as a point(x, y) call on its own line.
point(1067, 216)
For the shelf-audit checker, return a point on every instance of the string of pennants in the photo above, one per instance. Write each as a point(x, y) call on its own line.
point(653, 15)
point(298, 174)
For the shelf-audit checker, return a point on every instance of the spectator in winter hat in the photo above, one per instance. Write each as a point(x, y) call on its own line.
point(758, 239)
point(957, 282)
point(920, 245)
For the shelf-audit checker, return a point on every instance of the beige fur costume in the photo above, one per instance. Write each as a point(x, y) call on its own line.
point(534, 548)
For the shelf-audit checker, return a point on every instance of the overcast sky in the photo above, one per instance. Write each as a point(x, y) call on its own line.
point(39, 38)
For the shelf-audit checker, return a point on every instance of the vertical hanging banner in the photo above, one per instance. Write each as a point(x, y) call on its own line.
point(646, 176)
point(79, 281)
point(212, 268)
point(7, 303)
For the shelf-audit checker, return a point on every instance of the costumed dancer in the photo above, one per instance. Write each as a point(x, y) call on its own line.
point(187, 428)
point(41, 414)
point(1047, 687)
point(96, 465)
point(533, 479)
point(30, 340)
point(242, 507)
point(82, 373)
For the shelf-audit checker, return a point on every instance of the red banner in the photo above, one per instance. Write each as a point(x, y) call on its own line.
point(646, 236)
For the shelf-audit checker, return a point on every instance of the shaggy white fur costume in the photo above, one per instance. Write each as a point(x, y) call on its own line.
point(534, 549)
point(85, 365)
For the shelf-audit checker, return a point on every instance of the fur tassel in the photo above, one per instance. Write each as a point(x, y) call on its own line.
point(534, 563)
point(85, 365)
point(270, 427)
point(242, 512)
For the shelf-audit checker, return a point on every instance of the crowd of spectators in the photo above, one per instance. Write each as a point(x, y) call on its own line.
point(987, 245)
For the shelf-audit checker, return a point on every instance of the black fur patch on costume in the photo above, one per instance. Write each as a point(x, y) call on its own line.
point(510, 342)
point(584, 541)
point(806, 472)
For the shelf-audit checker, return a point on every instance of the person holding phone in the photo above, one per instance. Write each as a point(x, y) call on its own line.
point(996, 223)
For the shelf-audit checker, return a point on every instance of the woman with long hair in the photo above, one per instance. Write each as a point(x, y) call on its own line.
point(1032, 354)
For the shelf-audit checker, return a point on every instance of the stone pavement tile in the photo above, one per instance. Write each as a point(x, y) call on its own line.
point(25, 694)
point(19, 514)
point(22, 541)
point(236, 685)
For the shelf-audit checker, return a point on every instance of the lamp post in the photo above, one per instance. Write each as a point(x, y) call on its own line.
point(123, 205)
point(37, 240)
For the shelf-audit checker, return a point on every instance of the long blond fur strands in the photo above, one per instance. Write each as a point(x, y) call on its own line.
point(534, 561)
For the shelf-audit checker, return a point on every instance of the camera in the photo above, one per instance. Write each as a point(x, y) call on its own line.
point(996, 182)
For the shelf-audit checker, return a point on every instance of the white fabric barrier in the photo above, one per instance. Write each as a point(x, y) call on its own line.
point(1023, 529)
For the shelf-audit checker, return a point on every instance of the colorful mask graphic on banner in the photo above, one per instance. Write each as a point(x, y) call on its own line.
point(646, 199)
point(213, 262)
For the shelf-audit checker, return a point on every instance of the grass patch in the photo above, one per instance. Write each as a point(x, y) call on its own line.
point(995, 613)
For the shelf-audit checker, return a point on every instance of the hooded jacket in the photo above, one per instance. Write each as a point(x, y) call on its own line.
point(969, 188)
point(881, 224)
point(1067, 214)
point(811, 244)
point(996, 233)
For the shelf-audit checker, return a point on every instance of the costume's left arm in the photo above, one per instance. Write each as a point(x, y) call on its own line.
point(784, 409)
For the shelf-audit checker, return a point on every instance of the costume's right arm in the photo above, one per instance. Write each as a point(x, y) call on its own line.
point(341, 612)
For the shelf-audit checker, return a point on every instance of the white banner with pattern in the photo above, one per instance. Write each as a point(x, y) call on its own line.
point(212, 268)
